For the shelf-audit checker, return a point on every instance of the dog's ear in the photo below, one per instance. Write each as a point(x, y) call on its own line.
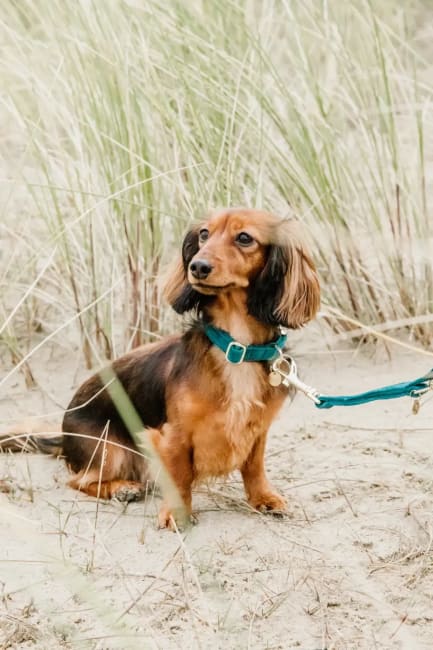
point(287, 290)
point(177, 291)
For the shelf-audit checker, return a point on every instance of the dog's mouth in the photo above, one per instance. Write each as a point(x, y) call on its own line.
point(203, 287)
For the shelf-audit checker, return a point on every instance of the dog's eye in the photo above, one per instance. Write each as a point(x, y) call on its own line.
point(203, 234)
point(244, 239)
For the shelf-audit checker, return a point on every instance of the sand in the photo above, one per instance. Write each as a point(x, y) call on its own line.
point(351, 567)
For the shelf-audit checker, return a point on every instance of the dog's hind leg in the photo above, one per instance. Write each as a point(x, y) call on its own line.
point(106, 467)
point(116, 489)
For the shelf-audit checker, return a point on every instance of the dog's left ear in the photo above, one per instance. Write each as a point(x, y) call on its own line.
point(177, 290)
point(287, 291)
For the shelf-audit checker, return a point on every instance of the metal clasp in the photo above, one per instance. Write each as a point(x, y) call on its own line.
point(418, 394)
point(235, 344)
point(290, 377)
point(422, 391)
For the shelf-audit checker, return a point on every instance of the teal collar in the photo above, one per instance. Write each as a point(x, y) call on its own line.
point(237, 352)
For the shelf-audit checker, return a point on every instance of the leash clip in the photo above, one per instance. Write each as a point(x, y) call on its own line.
point(419, 392)
point(290, 377)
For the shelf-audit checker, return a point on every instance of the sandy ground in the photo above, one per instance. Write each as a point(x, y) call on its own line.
point(350, 568)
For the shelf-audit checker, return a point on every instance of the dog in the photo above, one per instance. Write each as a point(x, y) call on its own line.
point(243, 274)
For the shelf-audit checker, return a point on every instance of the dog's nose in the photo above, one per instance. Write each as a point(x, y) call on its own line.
point(200, 269)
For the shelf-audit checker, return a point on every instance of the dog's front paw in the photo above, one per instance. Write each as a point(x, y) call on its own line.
point(270, 502)
point(175, 520)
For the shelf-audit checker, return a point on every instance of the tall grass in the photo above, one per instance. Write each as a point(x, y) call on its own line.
point(127, 119)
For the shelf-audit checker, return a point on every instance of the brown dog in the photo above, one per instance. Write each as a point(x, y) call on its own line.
point(245, 272)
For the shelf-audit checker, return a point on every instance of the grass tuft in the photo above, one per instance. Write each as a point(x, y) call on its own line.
point(126, 120)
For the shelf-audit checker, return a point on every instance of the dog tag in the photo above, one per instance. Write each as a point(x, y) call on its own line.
point(274, 378)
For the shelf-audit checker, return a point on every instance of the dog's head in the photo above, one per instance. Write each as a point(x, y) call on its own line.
point(250, 250)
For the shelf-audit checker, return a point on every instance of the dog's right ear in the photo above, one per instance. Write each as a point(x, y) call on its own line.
point(177, 291)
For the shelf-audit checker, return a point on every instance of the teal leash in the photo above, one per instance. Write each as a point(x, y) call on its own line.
point(289, 376)
point(414, 389)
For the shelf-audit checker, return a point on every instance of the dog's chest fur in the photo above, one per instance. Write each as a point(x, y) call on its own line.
point(225, 437)
point(224, 408)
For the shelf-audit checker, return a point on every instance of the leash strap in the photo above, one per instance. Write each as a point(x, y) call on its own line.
point(286, 368)
point(237, 352)
point(414, 389)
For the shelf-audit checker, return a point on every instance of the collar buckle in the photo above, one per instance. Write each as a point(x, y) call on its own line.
point(235, 348)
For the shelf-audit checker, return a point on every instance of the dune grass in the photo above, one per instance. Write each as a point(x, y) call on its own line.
point(127, 119)
point(124, 120)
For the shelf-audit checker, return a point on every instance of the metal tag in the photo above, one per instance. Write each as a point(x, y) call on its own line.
point(274, 378)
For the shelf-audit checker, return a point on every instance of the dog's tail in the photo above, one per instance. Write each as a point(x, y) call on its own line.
point(29, 436)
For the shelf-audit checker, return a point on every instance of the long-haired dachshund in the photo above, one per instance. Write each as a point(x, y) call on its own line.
point(203, 396)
